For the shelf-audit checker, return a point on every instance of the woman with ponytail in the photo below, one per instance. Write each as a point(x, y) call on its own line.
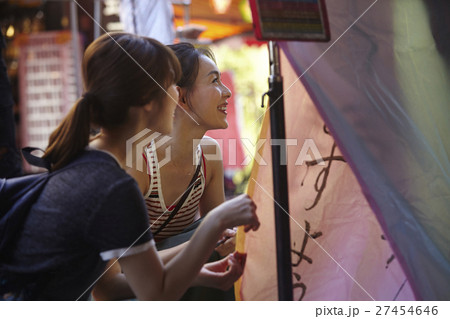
point(93, 211)
point(202, 105)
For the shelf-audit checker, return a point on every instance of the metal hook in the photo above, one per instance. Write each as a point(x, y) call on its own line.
point(262, 99)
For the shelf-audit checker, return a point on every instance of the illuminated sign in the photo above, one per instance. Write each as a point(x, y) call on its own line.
point(299, 20)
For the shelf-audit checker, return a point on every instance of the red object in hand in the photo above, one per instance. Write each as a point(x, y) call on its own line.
point(240, 257)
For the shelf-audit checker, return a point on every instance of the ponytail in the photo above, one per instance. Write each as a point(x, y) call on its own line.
point(120, 71)
point(71, 137)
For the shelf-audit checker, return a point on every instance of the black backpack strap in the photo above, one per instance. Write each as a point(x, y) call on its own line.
point(35, 160)
point(182, 199)
point(91, 156)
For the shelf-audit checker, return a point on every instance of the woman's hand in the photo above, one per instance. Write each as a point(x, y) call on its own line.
point(223, 273)
point(238, 211)
point(227, 244)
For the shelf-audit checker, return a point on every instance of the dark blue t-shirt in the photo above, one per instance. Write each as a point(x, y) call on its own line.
point(85, 216)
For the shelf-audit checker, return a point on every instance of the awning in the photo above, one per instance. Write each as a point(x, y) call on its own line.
point(235, 19)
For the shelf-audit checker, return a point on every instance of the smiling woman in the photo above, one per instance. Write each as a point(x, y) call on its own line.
point(191, 169)
point(201, 106)
point(74, 228)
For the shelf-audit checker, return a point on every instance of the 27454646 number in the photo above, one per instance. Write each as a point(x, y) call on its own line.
point(403, 310)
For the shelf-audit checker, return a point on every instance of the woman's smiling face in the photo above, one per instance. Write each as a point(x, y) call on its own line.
point(208, 98)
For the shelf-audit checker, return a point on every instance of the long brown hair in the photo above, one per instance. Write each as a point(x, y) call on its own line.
point(120, 70)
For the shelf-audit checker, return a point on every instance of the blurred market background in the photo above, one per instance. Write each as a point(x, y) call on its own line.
point(43, 57)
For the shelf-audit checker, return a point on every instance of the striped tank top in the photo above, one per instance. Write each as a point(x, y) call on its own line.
point(158, 210)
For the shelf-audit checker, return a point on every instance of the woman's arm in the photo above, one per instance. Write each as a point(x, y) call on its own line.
point(150, 279)
point(219, 274)
point(214, 193)
point(167, 254)
point(112, 285)
point(223, 273)
point(146, 273)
